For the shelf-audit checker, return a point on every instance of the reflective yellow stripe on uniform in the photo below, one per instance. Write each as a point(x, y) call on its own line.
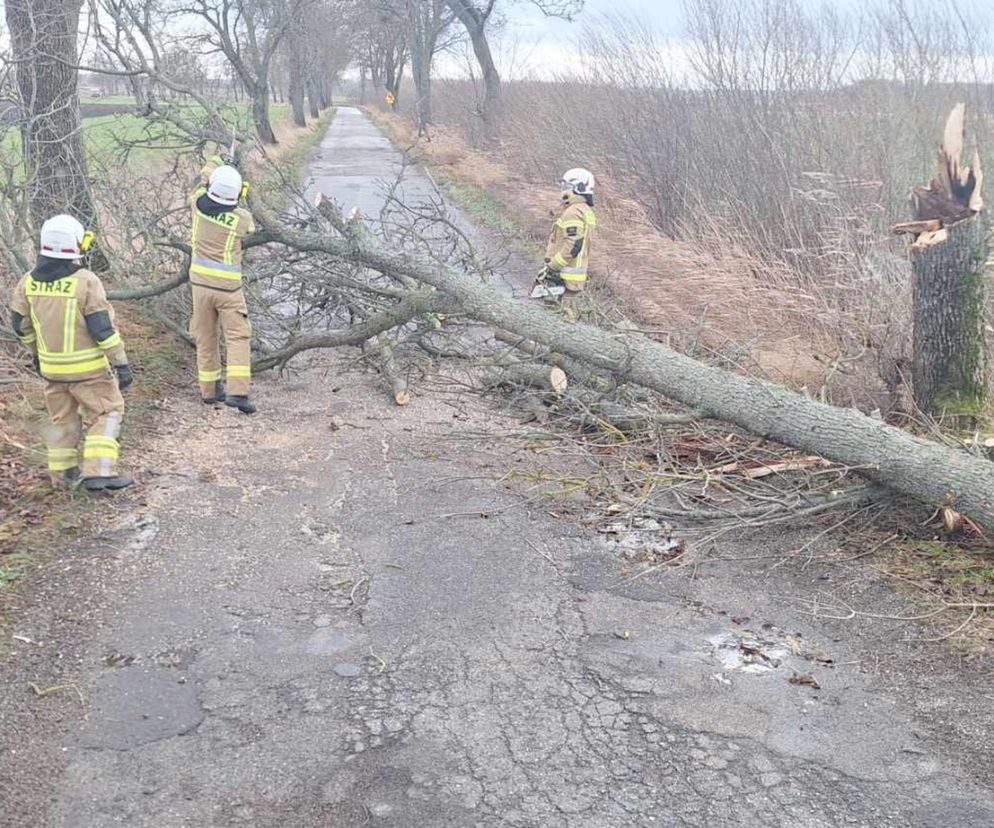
point(80, 362)
point(111, 341)
point(98, 446)
point(220, 270)
point(209, 376)
point(229, 245)
point(76, 356)
point(27, 338)
point(37, 327)
point(69, 328)
point(240, 371)
point(60, 459)
point(59, 369)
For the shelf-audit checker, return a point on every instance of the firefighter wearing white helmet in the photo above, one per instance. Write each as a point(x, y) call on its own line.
point(567, 254)
point(60, 312)
point(220, 225)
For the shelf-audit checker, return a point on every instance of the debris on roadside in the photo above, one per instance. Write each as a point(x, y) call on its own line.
point(806, 680)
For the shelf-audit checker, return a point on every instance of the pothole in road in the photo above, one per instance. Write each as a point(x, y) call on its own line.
point(641, 540)
point(747, 653)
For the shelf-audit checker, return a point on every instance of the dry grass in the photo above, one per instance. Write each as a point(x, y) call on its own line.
point(714, 297)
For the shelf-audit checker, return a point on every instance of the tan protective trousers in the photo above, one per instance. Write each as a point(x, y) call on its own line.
point(93, 406)
point(228, 308)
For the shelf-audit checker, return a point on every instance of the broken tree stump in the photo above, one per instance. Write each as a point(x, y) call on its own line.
point(949, 255)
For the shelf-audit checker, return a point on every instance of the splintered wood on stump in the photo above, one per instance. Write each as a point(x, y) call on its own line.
point(949, 255)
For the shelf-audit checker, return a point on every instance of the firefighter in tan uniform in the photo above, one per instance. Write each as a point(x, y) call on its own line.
point(567, 254)
point(60, 312)
point(219, 227)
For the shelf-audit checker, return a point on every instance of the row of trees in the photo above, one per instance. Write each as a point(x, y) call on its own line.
point(170, 55)
point(393, 35)
point(203, 51)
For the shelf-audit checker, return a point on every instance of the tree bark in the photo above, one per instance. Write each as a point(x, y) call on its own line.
point(391, 373)
point(260, 115)
point(950, 370)
point(294, 47)
point(295, 92)
point(43, 38)
point(313, 98)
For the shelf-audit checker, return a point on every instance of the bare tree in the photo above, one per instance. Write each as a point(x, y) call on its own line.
point(295, 54)
point(474, 19)
point(427, 21)
point(383, 46)
point(247, 33)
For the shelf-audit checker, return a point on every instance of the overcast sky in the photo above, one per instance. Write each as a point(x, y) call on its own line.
point(533, 44)
point(536, 41)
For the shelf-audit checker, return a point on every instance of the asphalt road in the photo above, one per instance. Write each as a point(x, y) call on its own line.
point(332, 614)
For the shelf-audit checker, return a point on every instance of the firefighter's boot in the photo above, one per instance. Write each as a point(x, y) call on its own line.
point(218, 396)
point(101, 484)
point(243, 404)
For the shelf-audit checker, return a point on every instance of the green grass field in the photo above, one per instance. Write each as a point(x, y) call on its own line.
point(126, 138)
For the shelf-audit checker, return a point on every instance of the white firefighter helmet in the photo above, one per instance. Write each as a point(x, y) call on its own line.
point(579, 180)
point(225, 185)
point(62, 237)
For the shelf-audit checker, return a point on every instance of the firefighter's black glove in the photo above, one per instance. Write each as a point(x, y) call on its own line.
point(230, 161)
point(542, 275)
point(36, 364)
point(124, 375)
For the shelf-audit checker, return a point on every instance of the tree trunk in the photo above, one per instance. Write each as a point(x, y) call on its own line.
point(949, 297)
point(294, 49)
point(475, 25)
point(43, 37)
point(420, 70)
point(296, 94)
point(927, 471)
point(313, 98)
point(949, 256)
point(260, 115)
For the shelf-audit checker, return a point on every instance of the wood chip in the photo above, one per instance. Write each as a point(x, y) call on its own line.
point(805, 680)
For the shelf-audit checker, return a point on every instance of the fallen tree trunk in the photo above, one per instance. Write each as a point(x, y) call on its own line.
point(926, 471)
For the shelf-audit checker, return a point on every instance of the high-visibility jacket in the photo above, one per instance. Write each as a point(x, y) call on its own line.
point(568, 251)
point(217, 244)
point(69, 323)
